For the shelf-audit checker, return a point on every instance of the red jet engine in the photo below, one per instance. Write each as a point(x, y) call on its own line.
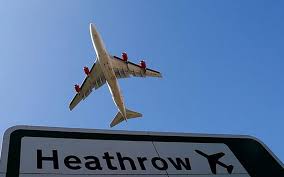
point(124, 56)
point(86, 70)
point(143, 64)
point(77, 88)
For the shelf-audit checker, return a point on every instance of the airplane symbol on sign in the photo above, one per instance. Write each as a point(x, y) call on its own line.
point(213, 160)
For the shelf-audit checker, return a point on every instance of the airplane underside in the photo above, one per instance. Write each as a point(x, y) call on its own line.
point(107, 69)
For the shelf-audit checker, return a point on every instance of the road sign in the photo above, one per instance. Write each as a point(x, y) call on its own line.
point(60, 152)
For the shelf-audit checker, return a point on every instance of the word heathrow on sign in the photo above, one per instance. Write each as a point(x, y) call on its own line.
point(60, 152)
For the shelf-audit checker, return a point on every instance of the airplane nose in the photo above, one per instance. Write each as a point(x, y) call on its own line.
point(96, 40)
point(92, 25)
point(92, 28)
point(93, 32)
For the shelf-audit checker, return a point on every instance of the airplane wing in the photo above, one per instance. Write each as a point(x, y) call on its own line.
point(213, 167)
point(124, 69)
point(94, 80)
point(212, 159)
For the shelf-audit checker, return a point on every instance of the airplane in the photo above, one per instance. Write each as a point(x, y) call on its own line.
point(213, 160)
point(107, 69)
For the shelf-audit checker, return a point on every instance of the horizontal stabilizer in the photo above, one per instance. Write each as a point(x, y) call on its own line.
point(129, 114)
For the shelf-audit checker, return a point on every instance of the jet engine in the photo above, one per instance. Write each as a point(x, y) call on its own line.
point(124, 56)
point(77, 88)
point(143, 64)
point(86, 70)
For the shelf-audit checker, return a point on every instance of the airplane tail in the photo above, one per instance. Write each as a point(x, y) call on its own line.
point(129, 114)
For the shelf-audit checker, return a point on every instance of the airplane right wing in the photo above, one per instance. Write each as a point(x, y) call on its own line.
point(95, 80)
point(124, 69)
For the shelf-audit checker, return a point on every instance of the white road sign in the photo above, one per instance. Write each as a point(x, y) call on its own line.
point(60, 152)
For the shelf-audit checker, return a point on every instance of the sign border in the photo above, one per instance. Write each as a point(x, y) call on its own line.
point(262, 162)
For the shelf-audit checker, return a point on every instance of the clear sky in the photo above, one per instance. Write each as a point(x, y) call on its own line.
point(222, 63)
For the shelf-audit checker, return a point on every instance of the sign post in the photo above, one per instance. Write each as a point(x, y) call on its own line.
point(60, 152)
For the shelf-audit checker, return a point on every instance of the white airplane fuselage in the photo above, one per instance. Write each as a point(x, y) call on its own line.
point(106, 67)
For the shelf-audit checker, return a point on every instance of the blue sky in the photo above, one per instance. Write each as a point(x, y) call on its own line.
point(222, 63)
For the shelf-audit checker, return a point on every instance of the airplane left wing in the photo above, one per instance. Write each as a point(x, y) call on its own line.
point(212, 159)
point(124, 69)
point(94, 80)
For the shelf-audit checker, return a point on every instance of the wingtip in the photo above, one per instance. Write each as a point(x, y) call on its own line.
point(71, 107)
point(230, 169)
point(112, 125)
